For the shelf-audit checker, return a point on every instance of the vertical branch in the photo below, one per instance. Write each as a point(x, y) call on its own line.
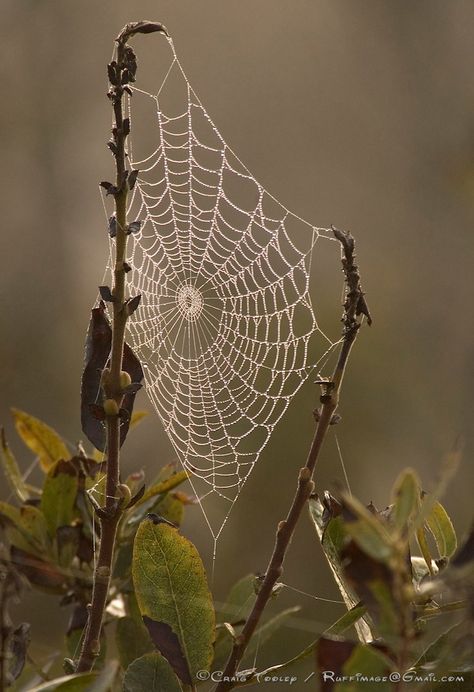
point(121, 72)
point(354, 307)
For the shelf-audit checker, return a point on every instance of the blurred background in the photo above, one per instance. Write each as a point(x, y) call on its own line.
point(356, 114)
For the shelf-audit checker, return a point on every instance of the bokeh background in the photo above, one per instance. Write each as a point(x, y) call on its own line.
point(353, 113)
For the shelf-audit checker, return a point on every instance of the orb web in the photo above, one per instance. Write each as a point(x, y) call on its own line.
point(226, 326)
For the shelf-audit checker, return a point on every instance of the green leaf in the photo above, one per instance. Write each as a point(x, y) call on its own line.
point(68, 683)
point(164, 503)
point(347, 620)
point(18, 532)
point(340, 626)
point(170, 509)
point(107, 678)
point(239, 600)
point(333, 538)
point(367, 530)
point(173, 597)
point(424, 547)
point(34, 523)
point(163, 486)
point(438, 649)
point(83, 682)
point(40, 438)
point(369, 662)
point(132, 640)
point(59, 496)
point(235, 610)
point(406, 497)
point(11, 470)
point(150, 673)
point(441, 527)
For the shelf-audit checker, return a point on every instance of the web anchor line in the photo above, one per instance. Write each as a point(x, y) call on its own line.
point(226, 327)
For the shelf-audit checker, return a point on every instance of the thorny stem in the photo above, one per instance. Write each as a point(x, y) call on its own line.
point(354, 307)
point(121, 72)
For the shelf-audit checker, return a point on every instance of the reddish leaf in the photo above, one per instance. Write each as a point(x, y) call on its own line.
point(331, 654)
point(38, 572)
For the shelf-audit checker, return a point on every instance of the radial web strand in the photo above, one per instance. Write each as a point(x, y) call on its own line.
point(225, 327)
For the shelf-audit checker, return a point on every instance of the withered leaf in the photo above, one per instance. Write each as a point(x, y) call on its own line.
point(132, 304)
point(112, 73)
point(113, 147)
point(106, 294)
point(132, 178)
point(109, 188)
point(331, 654)
point(168, 645)
point(97, 411)
point(134, 227)
point(142, 27)
point(134, 387)
point(97, 352)
point(112, 226)
point(18, 645)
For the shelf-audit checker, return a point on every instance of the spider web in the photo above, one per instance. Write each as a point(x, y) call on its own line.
point(226, 324)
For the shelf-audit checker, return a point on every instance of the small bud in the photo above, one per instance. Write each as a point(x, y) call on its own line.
point(305, 474)
point(69, 666)
point(125, 493)
point(111, 407)
point(125, 380)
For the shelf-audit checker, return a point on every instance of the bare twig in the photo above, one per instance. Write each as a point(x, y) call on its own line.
point(355, 307)
point(121, 72)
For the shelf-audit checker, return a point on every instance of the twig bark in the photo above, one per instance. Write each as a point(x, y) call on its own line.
point(121, 72)
point(354, 308)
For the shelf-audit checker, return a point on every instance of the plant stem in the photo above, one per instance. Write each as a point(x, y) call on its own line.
point(121, 72)
point(354, 307)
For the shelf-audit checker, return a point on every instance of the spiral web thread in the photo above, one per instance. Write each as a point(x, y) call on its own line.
point(225, 327)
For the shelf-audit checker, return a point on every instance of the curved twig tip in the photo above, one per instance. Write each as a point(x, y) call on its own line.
point(142, 27)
